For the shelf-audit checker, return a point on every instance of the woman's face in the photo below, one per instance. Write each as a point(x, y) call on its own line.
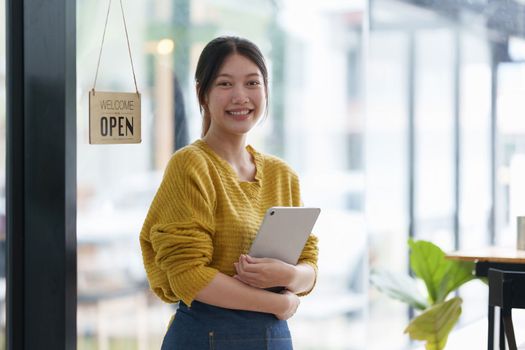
point(237, 97)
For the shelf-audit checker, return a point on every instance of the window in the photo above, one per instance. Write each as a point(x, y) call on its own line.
point(322, 139)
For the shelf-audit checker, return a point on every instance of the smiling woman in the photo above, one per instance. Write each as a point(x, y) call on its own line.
point(236, 98)
point(206, 213)
point(230, 55)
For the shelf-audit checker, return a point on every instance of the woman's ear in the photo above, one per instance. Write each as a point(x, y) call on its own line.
point(202, 104)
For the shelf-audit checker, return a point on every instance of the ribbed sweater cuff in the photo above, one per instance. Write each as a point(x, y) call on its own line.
point(187, 284)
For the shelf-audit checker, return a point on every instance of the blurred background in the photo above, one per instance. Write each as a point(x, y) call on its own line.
point(402, 118)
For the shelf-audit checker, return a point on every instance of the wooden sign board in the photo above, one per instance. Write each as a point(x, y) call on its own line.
point(114, 117)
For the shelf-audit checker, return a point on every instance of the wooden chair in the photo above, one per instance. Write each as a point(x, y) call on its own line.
point(507, 291)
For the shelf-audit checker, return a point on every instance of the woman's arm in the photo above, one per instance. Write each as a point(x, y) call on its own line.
point(301, 279)
point(227, 292)
point(267, 272)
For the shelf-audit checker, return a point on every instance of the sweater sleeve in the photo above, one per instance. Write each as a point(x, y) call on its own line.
point(310, 252)
point(309, 256)
point(177, 235)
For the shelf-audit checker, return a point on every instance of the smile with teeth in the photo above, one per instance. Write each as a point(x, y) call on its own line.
point(240, 113)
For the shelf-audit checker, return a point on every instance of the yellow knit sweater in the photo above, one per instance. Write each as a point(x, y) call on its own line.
point(203, 218)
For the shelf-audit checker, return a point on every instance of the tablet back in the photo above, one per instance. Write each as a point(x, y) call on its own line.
point(283, 233)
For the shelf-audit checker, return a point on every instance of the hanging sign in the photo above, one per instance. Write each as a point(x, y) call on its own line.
point(114, 117)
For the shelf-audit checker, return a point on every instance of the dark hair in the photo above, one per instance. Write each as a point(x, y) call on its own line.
point(210, 62)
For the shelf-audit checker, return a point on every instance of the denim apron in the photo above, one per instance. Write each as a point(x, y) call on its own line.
point(207, 327)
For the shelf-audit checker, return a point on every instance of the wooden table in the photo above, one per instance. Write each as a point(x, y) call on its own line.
point(501, 258)
point(490, 254)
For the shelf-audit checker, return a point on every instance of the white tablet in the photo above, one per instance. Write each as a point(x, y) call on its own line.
point(283, 233)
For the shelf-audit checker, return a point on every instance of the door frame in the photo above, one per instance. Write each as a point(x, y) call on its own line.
point(41, 293)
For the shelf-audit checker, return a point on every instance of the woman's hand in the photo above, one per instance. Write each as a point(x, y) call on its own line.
point(291, 305)
point(263, 272)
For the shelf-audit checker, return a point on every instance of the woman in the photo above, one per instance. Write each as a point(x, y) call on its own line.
point(206, 213)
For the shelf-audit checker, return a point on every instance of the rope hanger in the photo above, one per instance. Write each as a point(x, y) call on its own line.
point(127, 40)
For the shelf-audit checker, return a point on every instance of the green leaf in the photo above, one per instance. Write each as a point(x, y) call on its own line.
point(457, 274)
point(441, 276)
point(428, 263)
point(398, 286)
point(435, 324)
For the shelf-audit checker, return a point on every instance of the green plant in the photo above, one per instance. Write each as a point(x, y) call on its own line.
point(437, 315)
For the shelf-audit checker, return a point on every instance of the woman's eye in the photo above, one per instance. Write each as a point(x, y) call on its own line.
point(224, 83)
point(254, 83)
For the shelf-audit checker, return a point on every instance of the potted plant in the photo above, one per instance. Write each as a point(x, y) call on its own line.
point(436, 312)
